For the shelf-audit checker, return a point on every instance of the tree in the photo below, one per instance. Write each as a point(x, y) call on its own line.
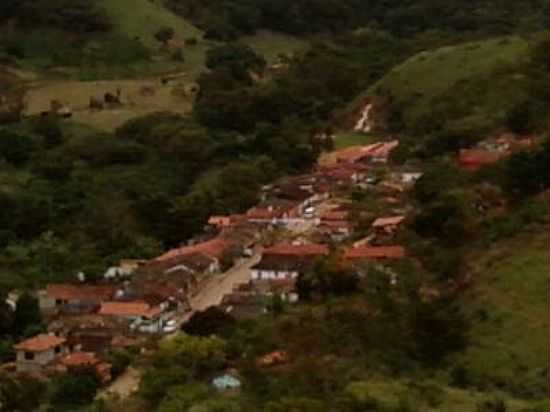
point(27, 318)
point(164, 35)
point(212, 321)
point(15, 148)
point(77, 388)
point(327, 277)
point(237, 58)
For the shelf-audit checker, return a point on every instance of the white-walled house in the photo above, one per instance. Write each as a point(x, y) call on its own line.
point(140, 316)
point(35, 353)
point(286, 261)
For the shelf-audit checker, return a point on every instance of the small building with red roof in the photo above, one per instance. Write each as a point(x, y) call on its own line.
point(374, 253)
point(56, 296)
point(35, 353)
point(286, 261)
point(141, 316)
point(78, 360)
point(388, 225)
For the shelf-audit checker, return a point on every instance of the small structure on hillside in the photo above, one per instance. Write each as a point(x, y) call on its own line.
point(226, 382)
point(35, 353)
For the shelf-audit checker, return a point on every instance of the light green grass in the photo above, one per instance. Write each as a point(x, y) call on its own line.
point(270, 44)
point(348, 139)
point(512, 286)
point(426, 396)
point(480, 73)
point(143, 18)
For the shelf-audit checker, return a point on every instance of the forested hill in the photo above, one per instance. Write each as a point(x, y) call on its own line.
point(230, 18)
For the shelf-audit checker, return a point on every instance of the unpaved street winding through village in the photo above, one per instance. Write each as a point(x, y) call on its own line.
point(210, 295)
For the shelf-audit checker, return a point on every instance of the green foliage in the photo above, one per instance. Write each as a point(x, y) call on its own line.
point(15, 148)
point(236, 58)
point(182, 398)
point(327, 278)
point(211, 321)
point(74, 389)
point(27, 317)
point(180, 361)
point(23, 395)
point(164, 34)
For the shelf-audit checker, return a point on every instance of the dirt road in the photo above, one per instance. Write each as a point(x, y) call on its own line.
point(214, 290)
point(123, 386)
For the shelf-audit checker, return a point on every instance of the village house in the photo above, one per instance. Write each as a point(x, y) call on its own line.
point(274, 212)
point(89, 332)
point(286, 261)
point(139, 316)
point(474, 159)
point(388, 225)
point(65, 296)
point(373, 153)
point(243, 305)
point(335, 225)
point(374, 253)
point(35, 353)
point(77, 360)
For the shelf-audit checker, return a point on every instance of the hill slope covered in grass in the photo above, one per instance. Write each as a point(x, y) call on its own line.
point(510, 302)
point(473, 83)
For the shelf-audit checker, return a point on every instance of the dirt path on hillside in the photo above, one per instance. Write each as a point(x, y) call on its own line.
point(123, 386)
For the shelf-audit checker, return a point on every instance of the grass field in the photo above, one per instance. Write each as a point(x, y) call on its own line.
point(479, 75)
point(510, 339)
point(271, 45)
point(76, 95)
point(347, 139)
point(143, 18)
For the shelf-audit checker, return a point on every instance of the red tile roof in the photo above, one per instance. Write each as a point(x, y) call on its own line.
point(388, 221)
point(472, 159)
point(80, 359)
point(297, 250)
point(40, 343)
point(375, 252)
point(335, 215)
point(129, 309)
point(213, 248)
point(80, 292)
point(357, 153)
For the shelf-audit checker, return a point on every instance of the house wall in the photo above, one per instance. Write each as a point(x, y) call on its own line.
point(272, 274)
point(40, 359)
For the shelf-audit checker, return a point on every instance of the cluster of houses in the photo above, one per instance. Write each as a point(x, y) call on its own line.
point(140, 298)
point(492, 150)
point(310, 201)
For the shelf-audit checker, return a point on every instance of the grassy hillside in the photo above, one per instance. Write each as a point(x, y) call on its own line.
point(474, 81)
point(271, 44)
point(143, 18)
point(510, 302)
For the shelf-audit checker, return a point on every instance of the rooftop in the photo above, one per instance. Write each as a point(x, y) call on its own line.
point(388, 221)
point(288, 249)
point(214, 248)
point(40, 343)
point(129, 309)
point(80, 292)
point(375, 252)
point(80, 359)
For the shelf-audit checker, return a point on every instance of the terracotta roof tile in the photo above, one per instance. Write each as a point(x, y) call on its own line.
point(375, 252)
point(388, 221)
point(297, 250)
point(80, 359)
point(213, 248)
point(40, 343)
point(129, 309)
point(80, 292)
